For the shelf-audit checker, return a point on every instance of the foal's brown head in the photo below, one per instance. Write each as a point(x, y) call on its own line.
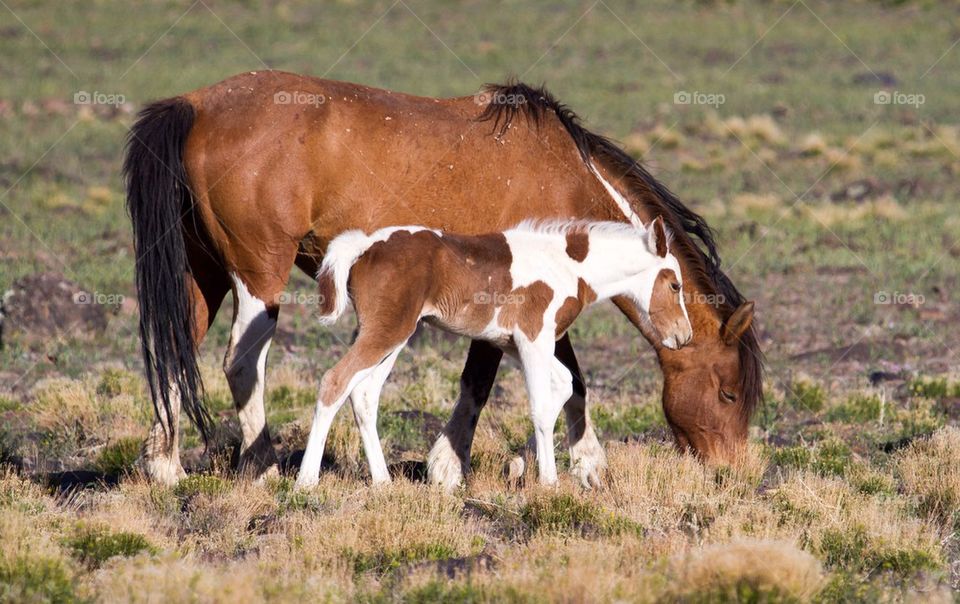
point(667, 311)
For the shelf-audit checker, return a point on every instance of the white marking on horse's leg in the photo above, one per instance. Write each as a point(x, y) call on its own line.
point(444, 467)
point(587, 458)
point(245, 367)
point(365, 400)
point(309, 474)
point(619, 199)
point(449, 458)
point(160, 457)
point(546, 399)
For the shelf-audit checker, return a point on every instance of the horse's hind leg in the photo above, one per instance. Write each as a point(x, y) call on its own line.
point(208, 285)
point(256, 295)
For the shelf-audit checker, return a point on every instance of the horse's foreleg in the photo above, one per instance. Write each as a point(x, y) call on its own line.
point(365, 400)
point(449, 459)
point(254, 324)
point(587, 459)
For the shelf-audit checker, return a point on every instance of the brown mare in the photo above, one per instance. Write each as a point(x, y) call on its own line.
point(519, 290)
point(230, 186)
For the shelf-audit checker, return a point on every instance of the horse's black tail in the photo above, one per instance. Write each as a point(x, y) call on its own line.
point(158, 201)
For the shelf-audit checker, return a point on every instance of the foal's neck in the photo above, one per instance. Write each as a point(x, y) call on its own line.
point(613, 262)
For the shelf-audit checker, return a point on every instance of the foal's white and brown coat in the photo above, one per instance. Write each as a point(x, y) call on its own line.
point(520, 290)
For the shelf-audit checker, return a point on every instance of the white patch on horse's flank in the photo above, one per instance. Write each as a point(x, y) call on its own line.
point(619, 199)
point(245, 368)
point(343, 252)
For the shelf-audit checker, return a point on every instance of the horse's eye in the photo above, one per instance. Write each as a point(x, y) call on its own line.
point(728, 397)
point(675, 287)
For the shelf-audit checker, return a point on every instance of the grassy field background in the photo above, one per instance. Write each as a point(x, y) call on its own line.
point(821, 141)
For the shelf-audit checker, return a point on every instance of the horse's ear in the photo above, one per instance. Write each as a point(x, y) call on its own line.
point(738, 323)
point(658, 237)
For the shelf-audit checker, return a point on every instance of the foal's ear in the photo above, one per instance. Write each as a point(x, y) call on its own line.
point(658, 237)
point(738, 323)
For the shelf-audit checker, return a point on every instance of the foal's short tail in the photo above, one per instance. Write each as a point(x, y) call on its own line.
point(334, 274)
point(159, 201)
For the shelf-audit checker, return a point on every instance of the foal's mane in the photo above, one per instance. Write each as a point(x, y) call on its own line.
point(516, 98)
point(552, 226)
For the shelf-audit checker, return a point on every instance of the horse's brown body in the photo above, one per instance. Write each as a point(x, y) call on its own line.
point(274, 182)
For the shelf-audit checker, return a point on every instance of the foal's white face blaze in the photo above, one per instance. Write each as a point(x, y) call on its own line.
point(660, 292)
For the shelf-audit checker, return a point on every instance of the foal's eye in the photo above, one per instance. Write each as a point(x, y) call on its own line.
point(728, 397)
point(675, 287)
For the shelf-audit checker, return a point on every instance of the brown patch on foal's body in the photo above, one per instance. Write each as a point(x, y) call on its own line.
point(456, 282)
point(524, 308)
point(578, 245)
point(573, 306)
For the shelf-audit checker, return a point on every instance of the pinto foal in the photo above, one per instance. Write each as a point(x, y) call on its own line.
point(520, 290)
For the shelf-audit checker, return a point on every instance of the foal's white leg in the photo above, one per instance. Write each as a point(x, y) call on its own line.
point(245, 367)
point(322, 419)
point(366, 400)
point(547, 392)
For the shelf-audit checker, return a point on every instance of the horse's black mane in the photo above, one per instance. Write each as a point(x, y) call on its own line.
point(507, 101)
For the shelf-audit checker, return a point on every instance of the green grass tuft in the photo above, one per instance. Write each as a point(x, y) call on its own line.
point(385, 561)
point(200, 484)
point(626, 421)
point(858, 408)
point(570, 515)
point(120, 457)
point(94, 546)
point(25, 579)
point(805, 396)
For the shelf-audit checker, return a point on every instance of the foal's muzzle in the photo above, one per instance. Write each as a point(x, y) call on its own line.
point(679, 336)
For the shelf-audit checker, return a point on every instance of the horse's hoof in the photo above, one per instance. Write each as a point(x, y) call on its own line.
point(161, 470)
point(443, 466)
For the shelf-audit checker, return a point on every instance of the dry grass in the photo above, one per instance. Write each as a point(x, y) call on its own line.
point(665, 527)
point(815, 522)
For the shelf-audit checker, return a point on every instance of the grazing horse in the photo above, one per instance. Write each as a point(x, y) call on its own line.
point(519, 290)
point(230, 186)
